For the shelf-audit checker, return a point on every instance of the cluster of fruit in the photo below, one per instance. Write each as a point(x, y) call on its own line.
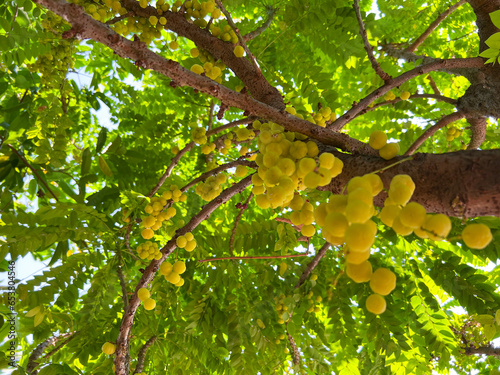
point(213, 69)
point(211, 188)
point(302, 215)
point(313, 308)
point(282, 309)
point(172, 272)
point(145, 297)
point(199, 135)
point(148, 250)
point(157, 214)
point(287, 164)
point(197, 11)
point(453, 133)
point(378, 141)
point(320, 118)
point(186, 242)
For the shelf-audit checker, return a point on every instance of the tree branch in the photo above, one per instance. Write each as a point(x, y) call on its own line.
point(423, 69)
point(448, 119)
point(310, 267)
point(38, 351)
point(85, 26)
point(123, 340)
point(433, 26)
point(433, 85)
point(414, 96)
point(121, 277)
point(242, 207)
point(254, 257)
point(478, 132)
point(254, 34)
point(369, 51)
point(141, 357)
point(484, 350)
point(295, 350)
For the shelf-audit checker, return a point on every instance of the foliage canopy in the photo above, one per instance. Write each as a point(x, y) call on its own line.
point(192, 90)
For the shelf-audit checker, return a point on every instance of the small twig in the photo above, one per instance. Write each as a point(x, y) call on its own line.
point(33, 170)
point(414, 96)
point(313, 264)
point(254, 257)
point(127, 236)
point(121, 277)
point(253, 34)
point(478, 130)
point(448, 119)
point(240, 38)
point(368, 47)
point(433, 26)
point(211, 115)
point(70, 336)
point(141, 356)
point(433, 85)
point(242, 207)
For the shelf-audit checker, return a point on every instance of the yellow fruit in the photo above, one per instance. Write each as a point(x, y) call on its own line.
point(180, 282)
point(153, 20)
point(308, 230)
point(239, 51)
point(173, 45)
point(179, 267)
point(149, 304)
point(108, 348)
point(376, 304)
point(383, 281)
point(356, 257)
point(336, 224)
point(400, 193)
point(166, 268)
point(404, 179)
point(326, 160)
point(437, 226)
point(359, 182)
point(413, 215)
point(143, 294)
point(477, 236)
point(314, 277)
point(190, 246)
point(388, 214)
point(181, 241)
point(359, 273)
point(147, 233)
point(375, 182)
point(361, 194)
point(198, 69)
point(359, 237)
point(404, 95)
point(241, 171)
point(389, 151)
point(378, 139)
point(312, 180)
point(337, 167)
point(358, 212)
point(173, 277)
point(400, 228)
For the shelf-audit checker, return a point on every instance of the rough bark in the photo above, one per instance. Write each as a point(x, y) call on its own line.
point(460, 184)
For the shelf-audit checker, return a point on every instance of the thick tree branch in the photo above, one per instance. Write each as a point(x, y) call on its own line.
point(37, 353)
point(123, 340)
point(448, 119)
point(254, 34)
point(459, 184)
point(433, 26)
point(86, 27)
point(368, 48)
point(314, 262)
point(478, 132)
point(482, 9)
point(381, 91)
point(483, 350)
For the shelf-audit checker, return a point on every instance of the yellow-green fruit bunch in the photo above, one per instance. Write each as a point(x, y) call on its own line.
point(156, 217)
point(199, 135)
point(172, 272)
point(207, 148)
point(389, 96)
point(281, 309)
point(225, 33)
point(199, 10)
point(186, 242)
point(378, 141)
point(382, 282)
point(211, 188)
point(145, 297)
point(324, 114)
point(452, 133)
point(175, 194)
point(346, 218)
point(243, 134)
point(287, 164)
point(228, 143)
point(313, 308)
point(149, 251)
point(212, 69)
point(302, 215)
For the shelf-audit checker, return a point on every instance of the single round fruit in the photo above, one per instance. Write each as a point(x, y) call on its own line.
point(383, 281)
point(378, 139)
point(400, 193)
point(173, 277)
point(239, 51)
point(166, 268)
point(355, 257)
point(147, 233)
point(143, 294)
point(413, 215)
point(181, 241)
point(108, 348)
point(308, 230)
point(388, 214)
point(389, 151)
point(179, 267)
point(477, 236)
point(359, 273)
point(437, 226)
point(376, 304)
point(405, 95)
point(149, 304)
point(359, 237)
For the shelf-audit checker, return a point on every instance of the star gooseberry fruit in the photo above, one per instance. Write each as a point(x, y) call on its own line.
point(477, 236)
point(108, 348)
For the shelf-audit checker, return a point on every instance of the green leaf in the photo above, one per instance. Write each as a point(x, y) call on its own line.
point(86, 161)
point(493, 41)
point(495, 18)
point(101, 140)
